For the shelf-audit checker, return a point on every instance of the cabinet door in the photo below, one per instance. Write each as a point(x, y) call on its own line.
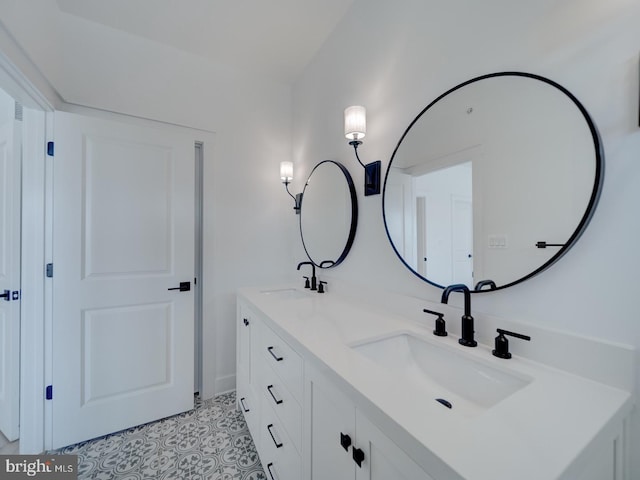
point(383, 459)
point(243, 343)
point(246, 398)
point(333, 424)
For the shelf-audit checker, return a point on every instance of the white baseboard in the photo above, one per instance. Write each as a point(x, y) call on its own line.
point(225, 384)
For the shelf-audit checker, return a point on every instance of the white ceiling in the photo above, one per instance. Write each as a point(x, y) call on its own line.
point(274, 37)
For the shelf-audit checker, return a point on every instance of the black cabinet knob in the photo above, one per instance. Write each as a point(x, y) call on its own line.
point(358, 456)
point(345, 441)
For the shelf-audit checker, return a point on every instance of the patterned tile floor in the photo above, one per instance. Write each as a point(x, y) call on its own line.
point(210, 442)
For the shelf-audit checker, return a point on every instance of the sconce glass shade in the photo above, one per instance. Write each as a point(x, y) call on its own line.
point(355, 122)
point(286, 171)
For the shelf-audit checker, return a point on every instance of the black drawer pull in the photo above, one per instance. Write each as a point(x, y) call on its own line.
point(358, 456)
point(278, 359)
point(275, 442)
point(270, 472)
point(345, 441)
point(244, 407)
point(246, 322)
point(278, 402)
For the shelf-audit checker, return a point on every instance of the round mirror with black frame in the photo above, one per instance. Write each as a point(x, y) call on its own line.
point(493, 182)
point(328, 214)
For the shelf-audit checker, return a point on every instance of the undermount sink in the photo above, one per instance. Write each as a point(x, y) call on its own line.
point(457, 381)
point(286, 293)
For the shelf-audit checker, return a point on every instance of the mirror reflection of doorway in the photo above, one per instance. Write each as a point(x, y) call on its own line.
point(462, 239)
point(444, 224)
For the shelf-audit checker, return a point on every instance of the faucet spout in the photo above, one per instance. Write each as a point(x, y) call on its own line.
point(458, 287)
point(467, 338)
point(314, 280)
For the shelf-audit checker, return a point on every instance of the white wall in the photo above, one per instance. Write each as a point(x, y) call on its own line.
point(396, 57)
point(245, 205)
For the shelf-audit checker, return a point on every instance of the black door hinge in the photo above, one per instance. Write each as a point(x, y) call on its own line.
point(49, 270)
point(49, 392)
point(50, 147)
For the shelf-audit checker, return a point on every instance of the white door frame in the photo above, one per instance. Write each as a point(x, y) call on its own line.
point(198, 268)
point(33, 246)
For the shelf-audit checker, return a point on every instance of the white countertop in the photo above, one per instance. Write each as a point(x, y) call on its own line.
point(536, 433)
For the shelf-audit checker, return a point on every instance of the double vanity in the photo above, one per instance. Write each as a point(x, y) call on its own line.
point(333, 387)
point(490, 185)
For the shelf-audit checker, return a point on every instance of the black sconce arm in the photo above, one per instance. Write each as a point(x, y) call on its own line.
point(297, 198)
point(356, 144)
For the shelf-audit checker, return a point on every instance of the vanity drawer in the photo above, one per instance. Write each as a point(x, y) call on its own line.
point(280, 459)
point(249, 404)
point(276, 395)
point(279, 356)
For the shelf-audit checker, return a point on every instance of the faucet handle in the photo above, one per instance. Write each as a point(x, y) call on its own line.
point(306, 282)
point(321, 286)
point(502, 344)
point(441, 328)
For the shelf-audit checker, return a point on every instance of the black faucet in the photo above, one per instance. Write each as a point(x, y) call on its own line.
point(314, 280)
point(466, 338)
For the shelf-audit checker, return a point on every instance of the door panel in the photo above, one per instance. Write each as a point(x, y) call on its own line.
point(114, 202)
point(143, 335)
point(123, 236)
point(10, 180)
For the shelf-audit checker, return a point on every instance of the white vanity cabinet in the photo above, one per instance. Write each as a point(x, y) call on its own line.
point(346, 445)
point(269, 392)
point(318, 409)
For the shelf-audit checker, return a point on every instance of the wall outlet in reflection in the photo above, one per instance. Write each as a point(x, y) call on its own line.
point(497, 241)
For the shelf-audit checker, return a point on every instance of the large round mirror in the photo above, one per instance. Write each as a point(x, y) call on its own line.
point(328, 214)
point(492, 182)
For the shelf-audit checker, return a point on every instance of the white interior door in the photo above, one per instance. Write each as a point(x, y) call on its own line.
point(123, 239)
point(462, 240)
point(10, 179)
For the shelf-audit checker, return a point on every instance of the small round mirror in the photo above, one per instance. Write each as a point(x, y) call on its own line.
point(328, 214)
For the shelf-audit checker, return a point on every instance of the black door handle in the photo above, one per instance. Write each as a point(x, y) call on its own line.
point(184, 287)
point(6, 295)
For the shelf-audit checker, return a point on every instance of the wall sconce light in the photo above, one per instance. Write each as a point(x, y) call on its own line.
point(286, 175)
point(355, 128)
